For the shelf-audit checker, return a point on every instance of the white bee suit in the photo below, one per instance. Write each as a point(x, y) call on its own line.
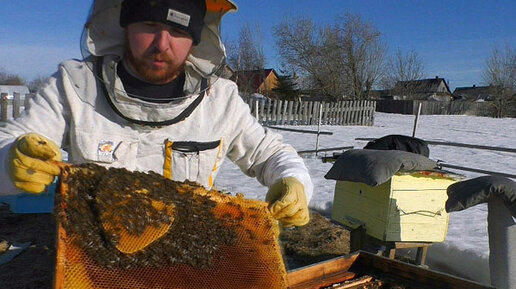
point(85, 110)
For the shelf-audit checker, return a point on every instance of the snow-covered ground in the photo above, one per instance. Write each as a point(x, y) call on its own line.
point(466, 248)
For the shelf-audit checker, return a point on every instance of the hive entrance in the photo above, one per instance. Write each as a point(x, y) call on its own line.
point(211, 240)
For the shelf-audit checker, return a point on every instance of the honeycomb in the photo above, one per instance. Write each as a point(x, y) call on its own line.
point(121, 229)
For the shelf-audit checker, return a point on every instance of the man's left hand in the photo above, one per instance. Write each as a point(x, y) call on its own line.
point(287, 202)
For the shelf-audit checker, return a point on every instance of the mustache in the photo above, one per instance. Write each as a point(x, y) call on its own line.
point(159, 56)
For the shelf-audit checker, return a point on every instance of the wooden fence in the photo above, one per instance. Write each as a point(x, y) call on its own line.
point(268, 112)
point(11, 107)
point(278, 112)
point(435, 107)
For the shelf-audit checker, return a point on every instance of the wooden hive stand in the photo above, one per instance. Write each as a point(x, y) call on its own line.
point(422, 249)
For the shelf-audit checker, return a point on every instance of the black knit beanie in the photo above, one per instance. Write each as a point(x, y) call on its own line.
point(187, 15)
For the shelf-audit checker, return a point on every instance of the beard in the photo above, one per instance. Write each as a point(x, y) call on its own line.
point(156, 75)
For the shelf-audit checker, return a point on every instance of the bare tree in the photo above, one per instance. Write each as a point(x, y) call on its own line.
point(500, 73)
point(246, 55)
point(10, 79)
point(402, 67)
point(299, 47)
point(250, 46)
point(343, 59)
point(313, 53)
point(363, 53)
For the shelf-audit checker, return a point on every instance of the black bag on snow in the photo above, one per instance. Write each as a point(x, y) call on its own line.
point(400, 143)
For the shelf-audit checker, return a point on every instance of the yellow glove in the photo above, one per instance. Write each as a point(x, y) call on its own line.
point(28, 164)
point(288, 202)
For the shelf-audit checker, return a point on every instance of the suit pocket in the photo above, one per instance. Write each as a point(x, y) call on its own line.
point(192, 161)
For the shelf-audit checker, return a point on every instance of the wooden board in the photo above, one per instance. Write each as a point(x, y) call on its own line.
point(306, 277)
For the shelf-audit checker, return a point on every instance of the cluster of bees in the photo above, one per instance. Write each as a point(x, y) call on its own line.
point(97, 195)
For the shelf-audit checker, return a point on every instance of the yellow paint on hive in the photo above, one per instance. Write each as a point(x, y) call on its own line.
point(407, 208)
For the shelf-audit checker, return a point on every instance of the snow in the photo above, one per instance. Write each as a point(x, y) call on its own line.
point(466, 249)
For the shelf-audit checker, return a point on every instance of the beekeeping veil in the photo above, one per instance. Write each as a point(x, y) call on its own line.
point(102, 46)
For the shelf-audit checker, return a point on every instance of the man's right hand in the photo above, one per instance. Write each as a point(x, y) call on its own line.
point(29, 165)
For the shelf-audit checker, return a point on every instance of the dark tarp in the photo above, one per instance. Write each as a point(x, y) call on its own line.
point(400, 143)
point(466, 194)
point(374, 167)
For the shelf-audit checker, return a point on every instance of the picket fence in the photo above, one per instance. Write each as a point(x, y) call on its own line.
point(11, 107)
point(278, 112)
point(268, 112)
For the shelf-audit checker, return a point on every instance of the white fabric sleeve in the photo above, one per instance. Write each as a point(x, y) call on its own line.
point(261, 153)
point(288, 164)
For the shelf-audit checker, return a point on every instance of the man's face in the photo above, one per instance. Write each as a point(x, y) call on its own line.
point(156, 51)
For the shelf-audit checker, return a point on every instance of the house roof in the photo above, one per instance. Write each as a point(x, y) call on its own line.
point(423, 85)
point(10, 89)
point(254, 78)
point(474, 92)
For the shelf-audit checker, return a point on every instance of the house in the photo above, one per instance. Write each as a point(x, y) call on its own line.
point(256, 81)
point(475, 93)
point(423, 89)
point(11, 89)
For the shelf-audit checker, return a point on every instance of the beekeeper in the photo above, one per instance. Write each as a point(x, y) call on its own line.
point(147, 97)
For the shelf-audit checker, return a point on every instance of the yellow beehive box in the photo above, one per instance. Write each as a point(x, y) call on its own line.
point(406, 208)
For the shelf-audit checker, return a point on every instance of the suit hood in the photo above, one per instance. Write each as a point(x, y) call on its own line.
point(103, 36)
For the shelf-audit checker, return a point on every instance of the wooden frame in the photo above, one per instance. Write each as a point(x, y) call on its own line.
point(346, 268)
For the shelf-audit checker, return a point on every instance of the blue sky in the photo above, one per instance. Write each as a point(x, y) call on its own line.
point(454, 38)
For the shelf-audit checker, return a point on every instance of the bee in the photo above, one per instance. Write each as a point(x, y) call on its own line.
point(251, 234)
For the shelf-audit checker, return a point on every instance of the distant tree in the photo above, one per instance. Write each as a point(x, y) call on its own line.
point(301, 48)
point(250, 45)
point(343, 59)
point(38, 82)
point(10, 79)
point(363, 53)
point(231, 47)
point(404, 67)
point(500, 72)
point(286, 88)
point(246, 54)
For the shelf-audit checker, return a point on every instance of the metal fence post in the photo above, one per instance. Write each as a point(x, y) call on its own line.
point(319, 127)
point(415, 122)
